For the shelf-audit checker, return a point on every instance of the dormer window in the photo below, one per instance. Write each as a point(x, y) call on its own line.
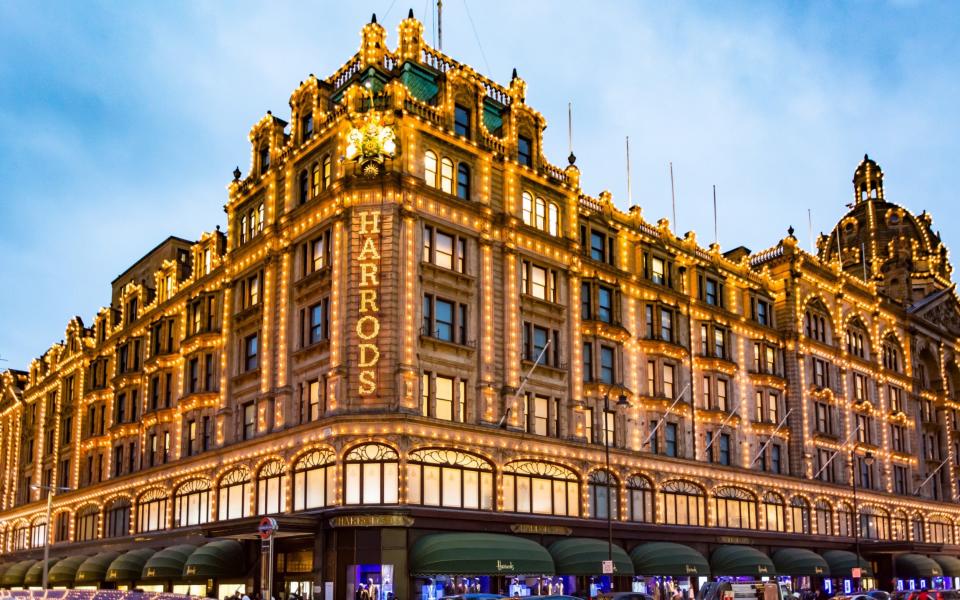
point(524, 151)
point(306, 125)
point(461, 121)
point(597, 244)
point(710, 290)
point(264, 158)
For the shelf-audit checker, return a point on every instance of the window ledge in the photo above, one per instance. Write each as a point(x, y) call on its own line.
point(437, 269)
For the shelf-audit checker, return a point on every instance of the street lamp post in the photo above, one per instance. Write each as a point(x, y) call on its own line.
point(46, 538)
point(621, 402)
point(867, 460)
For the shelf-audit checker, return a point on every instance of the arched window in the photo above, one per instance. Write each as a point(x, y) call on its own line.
point(892, 356)
point(824, 517)
point(21, 536)
point(604, 495)
point(446, 175)
point(38, 533)
point(799, 515)
point(327, 172)
point(541, 488)
point(898, 526)
point(371, 475)
point(916, 527)
point(271, 486)
point(264, 153)
point(438, 477)
point(315, 179)
point(116, 518)
point(553, 218)
point(152, 511)
point(86, 523)
point(303, 186)
point(773, 512)
point(61, 527)
point(430, 168)
point(941, 530)
point(191, 503)
point(463, 181)
point(640, 495)
point(259, 218)
point(243, 229)
point(874, 523)
point(314, 480)
point(857, 339)
point(815, 322)
point(233, 495)
point(735, 508)
point(844, 520)
point(540, 215)
point(682, 503)
point(527, 201)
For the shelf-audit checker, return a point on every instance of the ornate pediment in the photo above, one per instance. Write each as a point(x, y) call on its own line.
point(940, 309)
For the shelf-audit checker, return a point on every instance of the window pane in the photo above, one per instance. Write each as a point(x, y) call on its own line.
point(371, 483)
point(353, 483)
point(451, 487)
point(431, 485)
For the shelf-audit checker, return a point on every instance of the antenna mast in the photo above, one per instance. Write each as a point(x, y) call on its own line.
point(716, 238)
point(673, 198)
point(629, 193)
point(440, 25)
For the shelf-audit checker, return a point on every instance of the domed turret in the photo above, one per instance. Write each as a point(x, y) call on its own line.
point(868, 180)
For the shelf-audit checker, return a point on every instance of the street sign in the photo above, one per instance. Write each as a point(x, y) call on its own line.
point(608, 567)
point(855, 572)
point(266, 527)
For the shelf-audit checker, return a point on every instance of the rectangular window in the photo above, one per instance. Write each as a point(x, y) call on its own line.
point(587, 361)
point(588, 424)
point(461, 120)
point(604, 304)
point(444, 320)
point(251, 357)
point(670, 439)
point(722, 394)
point(821, 376)
point(319, 321)
point(668, 380)
point(191, 437)
point(900, 480)
point(205, 434)
point(658, 272)
point(651, 377)
point(775, 460)
point(193, 376)
point(598, 246)
point(249, 420)
point(606, 364)
point(666, 325)
point(773, 407)
point(524, 151)
point(208, 372)
point(586, 302)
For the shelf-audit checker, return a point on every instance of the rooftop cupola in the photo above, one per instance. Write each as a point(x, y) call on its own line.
point(868, 181)
point(411, 38)
point(374, 44)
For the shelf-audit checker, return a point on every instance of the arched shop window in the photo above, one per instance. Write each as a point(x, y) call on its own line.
point(152, 511)
point(824, 518)
point(371, 475)
point(191, 503)
point(773, 511)
point(85, 527)
point(844, 520)
point(799, 515)
point(541, 488)
point(735, 508)
point(682, 503)
point(38, 533)
point(314, 480)
point(61, 527)
point(233, 495)
point(640, 495)
point(874, 523)
point(21, 536)
point(916, 527)
point(271, 488)
point(439, 477)
point(941, 530)
point(898, 526)
point(604, 496)
point(116, 518)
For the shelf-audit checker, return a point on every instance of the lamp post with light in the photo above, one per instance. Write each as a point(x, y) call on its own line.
point(46, 537)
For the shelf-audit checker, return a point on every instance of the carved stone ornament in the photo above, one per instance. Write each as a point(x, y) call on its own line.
point(371, 142)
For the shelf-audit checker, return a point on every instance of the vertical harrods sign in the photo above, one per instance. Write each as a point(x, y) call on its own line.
point(367, 227)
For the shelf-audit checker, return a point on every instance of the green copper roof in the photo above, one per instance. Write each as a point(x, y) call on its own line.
point(421, 83)
point(492, 116)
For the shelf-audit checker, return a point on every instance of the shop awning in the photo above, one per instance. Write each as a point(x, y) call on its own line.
point(585, 556)
point(34, 576)
point(950, 565)
point(167, 564)
point(800, 562)
point(64, 572)
point(14, 575)
point(478, 554)
point(915, 566)
point(129, 565)
point(94, 569)
point(666, 559)
point(3, 569)
point(740, 561)
point(219, 559)
point(841, 561)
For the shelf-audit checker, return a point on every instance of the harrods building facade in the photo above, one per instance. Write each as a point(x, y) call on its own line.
point(348, 356)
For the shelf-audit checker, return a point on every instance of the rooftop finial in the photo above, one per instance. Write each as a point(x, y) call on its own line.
point(236, 173)
point(790, 231)
point(514, 76)
point(410, 14)
point(373, 19)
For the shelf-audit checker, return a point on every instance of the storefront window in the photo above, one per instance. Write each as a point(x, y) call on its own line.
point(874, 523)
point(916, 525)
point(941, 530)
point(542, 488)
point(314, 478)
point(152, 511)
point(640, 495)
point(271, 487)
point(824, 518)
point(191, 503)
point(799, 515)
point(371, 475)
point(604, 498)
point(116, 518)
point(735, 508)
point(682, 503)
point(233, 495)
point(844, 520)
point(438, 477)
point(86, 525)
point(898, 526)
point(773, 512)
point(38, 533)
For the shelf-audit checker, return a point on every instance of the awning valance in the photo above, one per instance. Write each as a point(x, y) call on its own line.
point(950, 565)
point(219, 559)
point(800, 562)
point(34, 576)
point(94, 569)
point(64, 572)
point(585, 556)
point(13, 576)
point(915, 566)
point(167, 564)
point(741, 561)
point(667, 559)
point(478, 554)
point(841, 561)
point(129, 565)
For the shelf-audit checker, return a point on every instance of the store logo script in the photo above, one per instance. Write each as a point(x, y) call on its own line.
point(504, 566)
point(368, 325)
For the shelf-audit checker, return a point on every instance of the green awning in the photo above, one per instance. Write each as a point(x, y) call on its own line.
point(841, 561)
point(799, 562)
point(64, 572)
point(3, 569)
point(950, 565)
point(915, 566)
point(94, 569)
point(219, 559)
point(34, 576)
point(14, 575)
point(129, 565)
point(666, 559)
point(741, 561)
point(167, 564)
point(585, 556)
point(478, 554)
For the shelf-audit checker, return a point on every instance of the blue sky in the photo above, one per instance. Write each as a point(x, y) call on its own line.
point(121, 121)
